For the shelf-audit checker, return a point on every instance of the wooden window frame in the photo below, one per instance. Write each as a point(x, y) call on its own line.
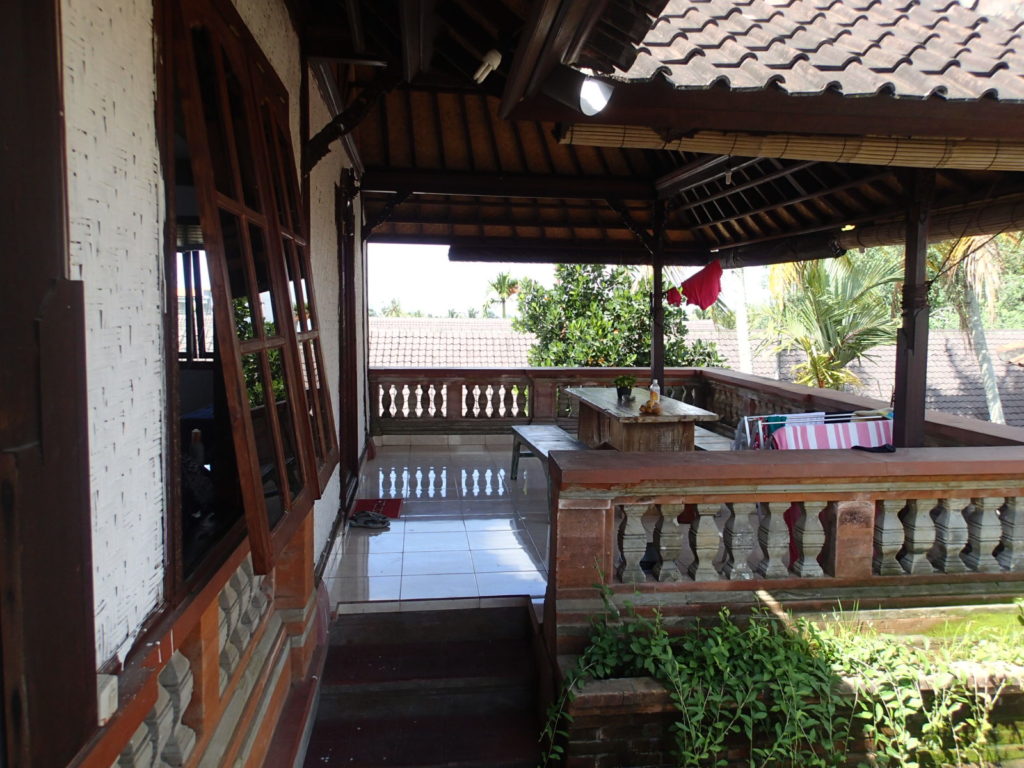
point(293, 226)
point(253, 204)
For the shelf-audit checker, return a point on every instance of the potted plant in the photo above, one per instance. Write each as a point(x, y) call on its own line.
point(624, 385)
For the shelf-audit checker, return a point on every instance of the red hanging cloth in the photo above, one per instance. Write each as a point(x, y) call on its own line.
point(703, 288)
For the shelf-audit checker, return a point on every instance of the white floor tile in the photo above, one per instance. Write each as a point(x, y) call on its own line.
point(421, 563)
point(448, 585)
point(436, 542)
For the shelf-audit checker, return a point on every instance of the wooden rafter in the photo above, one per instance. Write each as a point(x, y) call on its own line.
point(343, 124)
point(481, 184)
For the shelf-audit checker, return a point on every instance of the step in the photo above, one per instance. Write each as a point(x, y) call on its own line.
point(505, 623)
point(406, 687)
point(469, 741)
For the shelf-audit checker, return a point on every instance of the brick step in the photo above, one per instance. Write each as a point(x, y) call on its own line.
point(507, 741)
point(505, 623)
point(453, 688)
point(353, 664)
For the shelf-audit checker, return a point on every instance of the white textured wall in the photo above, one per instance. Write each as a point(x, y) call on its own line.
point(323, 240)
point(115, 197)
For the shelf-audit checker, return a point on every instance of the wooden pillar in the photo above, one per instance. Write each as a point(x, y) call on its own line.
point(658, 298)
point(912, 339)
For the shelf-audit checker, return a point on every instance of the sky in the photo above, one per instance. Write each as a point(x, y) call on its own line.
point(421, 278)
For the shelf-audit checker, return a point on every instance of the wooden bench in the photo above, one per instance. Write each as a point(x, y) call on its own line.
point(539, 440)
point(706, 440)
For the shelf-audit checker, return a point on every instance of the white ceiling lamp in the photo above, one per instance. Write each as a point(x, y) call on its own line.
point(490, 62)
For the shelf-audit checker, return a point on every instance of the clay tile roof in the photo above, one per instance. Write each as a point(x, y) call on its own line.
point(447, 343)
point(906, 48)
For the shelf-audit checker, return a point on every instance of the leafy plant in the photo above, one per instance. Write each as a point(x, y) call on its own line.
point(781, 689)
point(601, 316)
point(624, 381)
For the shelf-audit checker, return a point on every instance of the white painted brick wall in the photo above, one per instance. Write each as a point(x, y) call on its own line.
point(115, 198)
point(323, 238)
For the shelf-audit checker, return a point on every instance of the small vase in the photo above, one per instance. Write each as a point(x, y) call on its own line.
point(623, 392)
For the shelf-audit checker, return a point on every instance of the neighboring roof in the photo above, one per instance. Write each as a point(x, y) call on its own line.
point(953, 383)
point(904, 48)
point(447, 343)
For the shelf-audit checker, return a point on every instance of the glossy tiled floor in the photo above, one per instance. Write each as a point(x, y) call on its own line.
point(466, 529)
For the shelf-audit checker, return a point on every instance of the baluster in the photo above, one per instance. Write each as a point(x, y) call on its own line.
point(705, 539)
point(809, 537)
point(773, 542)
point(633, 542)
point(918, 537)
point(888, 539)
point(487, 401)
point(520, 401)
point(420, 406)
point(467, 400)
point(436, 400)
point(508, 401)
point(386, 401)
point(668, 537)
point(983, 534)
point(738, 541)
point(1011, 540)
point(480, 401)
point(950, 535)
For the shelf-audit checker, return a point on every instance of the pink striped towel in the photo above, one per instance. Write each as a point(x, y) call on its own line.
point(836, 434)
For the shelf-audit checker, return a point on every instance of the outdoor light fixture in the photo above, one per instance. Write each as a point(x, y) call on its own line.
point(594, 95)
point(578, 90)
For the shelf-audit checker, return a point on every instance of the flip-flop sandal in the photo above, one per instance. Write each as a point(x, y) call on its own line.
point(368, 520)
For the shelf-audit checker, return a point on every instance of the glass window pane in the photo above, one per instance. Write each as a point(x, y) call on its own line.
point(261, 262)
point(275, 169)
point(298, 308)
point(311, 381)
point(290, 181)
point(234, 257)
point(325, 410)
point(284, 417)
point(243, 141)
point(266, 455)
point(209, 91)
point(303, 287)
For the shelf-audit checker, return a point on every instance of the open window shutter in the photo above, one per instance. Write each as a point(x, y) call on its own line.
point(249, 279)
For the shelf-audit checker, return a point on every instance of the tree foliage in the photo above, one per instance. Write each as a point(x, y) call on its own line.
point(834, 311)
point(504, 287)
point(601, 316)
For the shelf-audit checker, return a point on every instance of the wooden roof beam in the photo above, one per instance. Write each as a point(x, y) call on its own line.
point(323, 73)
point(477, 184)
point(418, 30)
point(551, 251)
point(554, 31)
point(701, 171)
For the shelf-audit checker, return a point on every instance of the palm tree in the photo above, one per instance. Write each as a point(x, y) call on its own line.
point(504, 287)
point(835, 312)
point(971, 266)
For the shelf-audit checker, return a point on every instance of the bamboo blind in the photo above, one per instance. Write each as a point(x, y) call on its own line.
point(911, 152)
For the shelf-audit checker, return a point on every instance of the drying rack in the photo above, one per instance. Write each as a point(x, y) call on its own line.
point(757, 429)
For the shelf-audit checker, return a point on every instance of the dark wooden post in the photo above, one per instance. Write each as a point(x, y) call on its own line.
point(657, 297)
point(912, 339)
point(47, 642)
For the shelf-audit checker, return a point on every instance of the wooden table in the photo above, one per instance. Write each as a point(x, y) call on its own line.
point(606, 421)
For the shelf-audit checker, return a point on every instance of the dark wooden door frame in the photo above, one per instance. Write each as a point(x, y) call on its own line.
point(46, 601)
point(348, 337)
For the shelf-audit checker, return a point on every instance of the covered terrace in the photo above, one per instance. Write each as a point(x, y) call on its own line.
point(748, 133)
